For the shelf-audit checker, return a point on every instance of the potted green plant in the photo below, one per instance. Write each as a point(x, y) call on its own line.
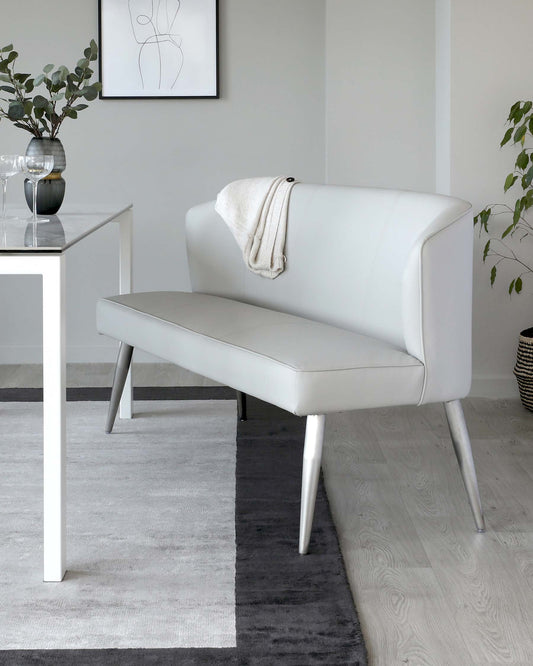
point(40, 105)
point(507, 246)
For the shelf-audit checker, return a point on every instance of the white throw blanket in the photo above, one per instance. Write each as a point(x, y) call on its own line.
point(255, 210)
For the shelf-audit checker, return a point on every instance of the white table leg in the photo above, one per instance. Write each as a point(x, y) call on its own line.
point(54, 422)
point(125, 287)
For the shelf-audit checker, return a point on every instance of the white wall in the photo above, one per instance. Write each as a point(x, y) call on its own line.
point(384, 110)
point(491, 52)
point(164, 155)
point(380, 70)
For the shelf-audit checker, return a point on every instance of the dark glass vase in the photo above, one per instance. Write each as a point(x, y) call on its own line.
point(51, 190)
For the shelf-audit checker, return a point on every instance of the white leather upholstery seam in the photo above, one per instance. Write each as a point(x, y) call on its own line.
point(255, 353)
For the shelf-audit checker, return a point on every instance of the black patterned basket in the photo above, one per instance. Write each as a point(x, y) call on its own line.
point(523, 369)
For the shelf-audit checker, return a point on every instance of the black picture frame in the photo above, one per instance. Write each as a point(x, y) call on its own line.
point(158, 49)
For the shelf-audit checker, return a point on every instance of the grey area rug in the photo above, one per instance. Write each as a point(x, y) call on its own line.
point(203, 570)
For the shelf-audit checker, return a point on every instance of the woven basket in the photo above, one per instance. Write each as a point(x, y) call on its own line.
point(523, 369)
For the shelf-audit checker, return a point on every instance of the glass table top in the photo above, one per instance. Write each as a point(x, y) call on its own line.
point(18, 234)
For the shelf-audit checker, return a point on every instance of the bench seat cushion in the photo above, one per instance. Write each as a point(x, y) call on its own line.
point(301, 365)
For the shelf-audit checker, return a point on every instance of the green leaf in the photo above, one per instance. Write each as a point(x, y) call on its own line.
point(24, 127)
point(29, 85)
point(94, 49)
point(530, 125)
point(80, 107)
point(527, 107)
point(48, 68)
point(7, 48)
point(509, 181)
point(12, 56)
point(507, 136)
point(28, 107)
point(511, 287)
point(39, 79)
point(8, 89)
point(508, 230)
point(492, 275)
point(40, 102)
point(518, 285)
point(71, 113)
point(83, 63)
point(4, 66)
point(486, 250)
point(15, 111)
point(522, 160)
point(517, 211)
point(513, 110)
point(484, 218)
point(90, 93)
point(526, 180)
point(520, 133)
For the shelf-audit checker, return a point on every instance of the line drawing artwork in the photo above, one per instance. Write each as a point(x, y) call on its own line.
point(160, 59)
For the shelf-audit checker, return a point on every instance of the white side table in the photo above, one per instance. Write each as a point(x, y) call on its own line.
point(40, 250)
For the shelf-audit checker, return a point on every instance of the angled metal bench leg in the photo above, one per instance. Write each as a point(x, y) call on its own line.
point(314, 439)
point(463, 451)
point(241, 406)
point(121, 372)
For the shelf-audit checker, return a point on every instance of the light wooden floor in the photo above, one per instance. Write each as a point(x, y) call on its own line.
point(429, 589)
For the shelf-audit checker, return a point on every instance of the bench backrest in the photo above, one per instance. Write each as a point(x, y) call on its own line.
point(391, 264)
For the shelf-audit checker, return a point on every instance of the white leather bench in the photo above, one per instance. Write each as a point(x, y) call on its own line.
point(373, 309)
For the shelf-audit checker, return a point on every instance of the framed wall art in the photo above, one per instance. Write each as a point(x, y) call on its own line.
point(158, 48)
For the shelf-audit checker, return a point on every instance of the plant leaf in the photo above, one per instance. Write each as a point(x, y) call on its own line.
point(522, 160)
point(48, 68)
point(526, 180)
point(486, 250)
point(511, 287)
point(508, 230)
point(520, 133)
point(15, 111)
point(24, 127)
point(518, 285)
point(40, 102)
point(513, 110)
point(90, 93)
point(509, 181)
point(492, 275)
point(507, 136)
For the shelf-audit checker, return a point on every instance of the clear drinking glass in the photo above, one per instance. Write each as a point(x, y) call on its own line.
point(35, 168)
point(9, 166)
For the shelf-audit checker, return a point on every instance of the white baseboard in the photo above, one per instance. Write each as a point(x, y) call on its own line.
point(149, 373)
point(494, 386)
point(21, 355)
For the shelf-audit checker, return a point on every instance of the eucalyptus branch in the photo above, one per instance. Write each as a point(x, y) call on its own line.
point(40, 114)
